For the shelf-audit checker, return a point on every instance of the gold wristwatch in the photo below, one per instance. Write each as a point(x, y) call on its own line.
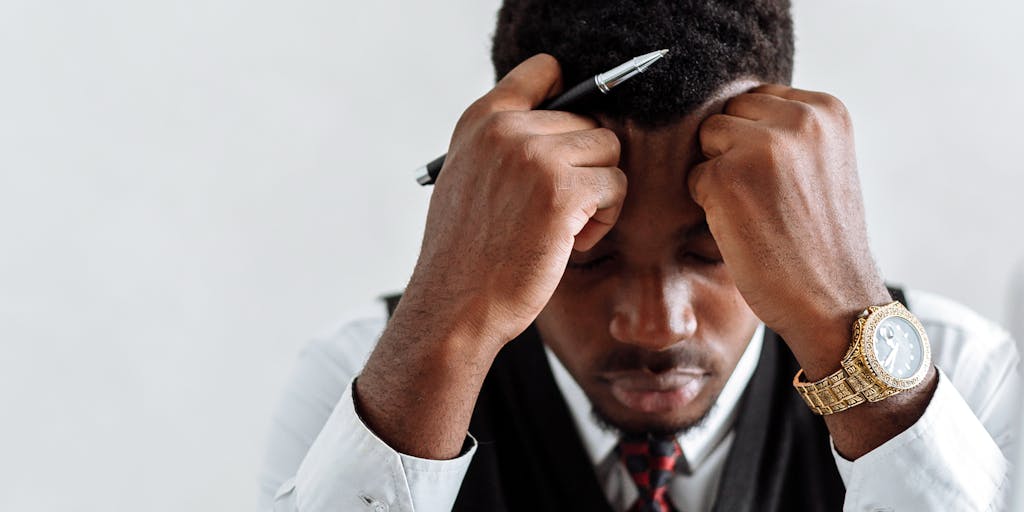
point(889, 353)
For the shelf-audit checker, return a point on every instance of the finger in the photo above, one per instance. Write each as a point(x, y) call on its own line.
point(547, 122)
point(804, 96)
point(756, 106)
point(719, 133)
point(773, 89)
point(603, 190)
point(527, 85)
point(596, 147)
point(701, 180)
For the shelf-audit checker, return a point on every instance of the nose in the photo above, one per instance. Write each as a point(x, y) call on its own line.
point(653, 311)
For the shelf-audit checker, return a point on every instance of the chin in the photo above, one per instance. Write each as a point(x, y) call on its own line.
point(613, 416)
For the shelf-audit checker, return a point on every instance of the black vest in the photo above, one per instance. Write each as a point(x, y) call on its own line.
point(530, 457)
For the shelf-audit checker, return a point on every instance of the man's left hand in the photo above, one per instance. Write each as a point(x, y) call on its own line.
point(782, 198)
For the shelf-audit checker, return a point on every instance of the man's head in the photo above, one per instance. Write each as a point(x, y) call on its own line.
point(649, 321)
point(710, 43)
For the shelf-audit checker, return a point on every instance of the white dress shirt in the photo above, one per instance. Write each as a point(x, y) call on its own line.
point(321, 457)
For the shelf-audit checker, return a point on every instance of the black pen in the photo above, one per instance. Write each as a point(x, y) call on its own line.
point(600, 83)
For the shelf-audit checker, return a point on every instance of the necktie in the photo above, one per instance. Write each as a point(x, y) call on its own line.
point(651, 462)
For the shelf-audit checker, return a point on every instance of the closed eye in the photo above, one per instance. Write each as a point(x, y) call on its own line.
point(591, 264)
point(700, 260)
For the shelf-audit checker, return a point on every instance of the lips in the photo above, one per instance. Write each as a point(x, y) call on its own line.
point(656, 393)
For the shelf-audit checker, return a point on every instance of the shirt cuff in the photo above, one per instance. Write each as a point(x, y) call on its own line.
point(349, 468)
point(944, 461)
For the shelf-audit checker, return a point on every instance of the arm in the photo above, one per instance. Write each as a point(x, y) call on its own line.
point(499, 232)
point(782, 198)
point(321, 456)
point(956, 456)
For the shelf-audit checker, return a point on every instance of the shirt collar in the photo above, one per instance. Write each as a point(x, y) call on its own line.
point(697, 442)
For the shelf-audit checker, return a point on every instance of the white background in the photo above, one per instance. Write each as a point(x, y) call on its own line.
point(188, 190)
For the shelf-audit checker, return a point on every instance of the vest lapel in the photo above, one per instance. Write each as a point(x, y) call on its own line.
point(530, 456)
point(781, 458)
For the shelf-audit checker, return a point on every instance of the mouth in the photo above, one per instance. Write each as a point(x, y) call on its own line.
point(651, 393)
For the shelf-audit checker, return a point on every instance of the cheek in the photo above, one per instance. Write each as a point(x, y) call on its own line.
point(724, 317)
point(573, 324)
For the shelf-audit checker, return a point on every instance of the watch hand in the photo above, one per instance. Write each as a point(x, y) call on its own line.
point(888, 360)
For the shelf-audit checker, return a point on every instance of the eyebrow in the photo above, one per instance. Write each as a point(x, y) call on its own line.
point(683, 233)
point(699, 229)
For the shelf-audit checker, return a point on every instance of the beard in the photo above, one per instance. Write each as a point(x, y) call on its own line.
point(607, 423)
point(631, 358)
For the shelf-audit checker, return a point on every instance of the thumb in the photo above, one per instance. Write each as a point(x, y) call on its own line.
point(528, 84)
point(701, 178)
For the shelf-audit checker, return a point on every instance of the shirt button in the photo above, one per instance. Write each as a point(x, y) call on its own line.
point(373, 504)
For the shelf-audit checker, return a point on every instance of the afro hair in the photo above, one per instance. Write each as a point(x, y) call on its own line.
point(710, 43)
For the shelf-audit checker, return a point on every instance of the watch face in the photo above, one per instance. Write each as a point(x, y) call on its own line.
point(898, 347)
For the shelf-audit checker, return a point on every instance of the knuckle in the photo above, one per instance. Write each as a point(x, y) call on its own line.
point(553, 192)
point(547, 58)
point(620, 182)
point(584, 141)
point(597, 182)
point(533, 151)
point(482, 107)
point(474, 111)
point(498, 127)
point(549, 61)
point(503, 123)
point(806, 119)
point(736, 104)
point(833, 104)
point(834, 109)
point(840, 112)
point(697, 186)
point(714, 123)
point(607, 138)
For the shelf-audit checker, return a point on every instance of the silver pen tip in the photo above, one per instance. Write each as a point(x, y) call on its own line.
point(644, 61)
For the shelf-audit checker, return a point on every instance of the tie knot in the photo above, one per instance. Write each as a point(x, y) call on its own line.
point(651, 461)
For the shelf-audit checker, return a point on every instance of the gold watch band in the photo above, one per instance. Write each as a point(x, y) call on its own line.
point(857, 381)
point(841, 390)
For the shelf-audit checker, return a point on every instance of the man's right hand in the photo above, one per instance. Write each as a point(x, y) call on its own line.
point(520, 189)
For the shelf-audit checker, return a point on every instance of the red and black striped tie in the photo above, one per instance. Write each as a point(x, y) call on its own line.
point(651, 461)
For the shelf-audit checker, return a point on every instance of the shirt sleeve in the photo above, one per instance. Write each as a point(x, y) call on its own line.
point(349, 468)
point(947, 460)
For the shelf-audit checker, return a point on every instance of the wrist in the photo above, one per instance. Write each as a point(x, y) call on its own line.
point(821, 339)
point(419, 386)
point(453, 322)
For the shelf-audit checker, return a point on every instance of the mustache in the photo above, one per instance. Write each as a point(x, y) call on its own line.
point(630, 358)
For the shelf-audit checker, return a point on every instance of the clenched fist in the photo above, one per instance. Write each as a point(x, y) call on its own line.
point(782, 198)
point(519, 190)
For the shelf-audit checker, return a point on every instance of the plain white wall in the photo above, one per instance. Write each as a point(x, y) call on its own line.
point(188, 190)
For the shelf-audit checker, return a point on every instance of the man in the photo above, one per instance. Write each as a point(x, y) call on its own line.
point(609, 309)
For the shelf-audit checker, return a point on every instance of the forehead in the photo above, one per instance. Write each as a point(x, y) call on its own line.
point(656, 162)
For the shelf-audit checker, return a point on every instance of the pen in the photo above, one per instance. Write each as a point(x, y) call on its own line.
point(598, 84)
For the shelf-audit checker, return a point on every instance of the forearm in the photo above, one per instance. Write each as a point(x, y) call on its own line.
point(862, 428)
point(419, 387)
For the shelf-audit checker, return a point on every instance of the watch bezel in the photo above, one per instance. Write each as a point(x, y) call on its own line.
point(866, 328)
